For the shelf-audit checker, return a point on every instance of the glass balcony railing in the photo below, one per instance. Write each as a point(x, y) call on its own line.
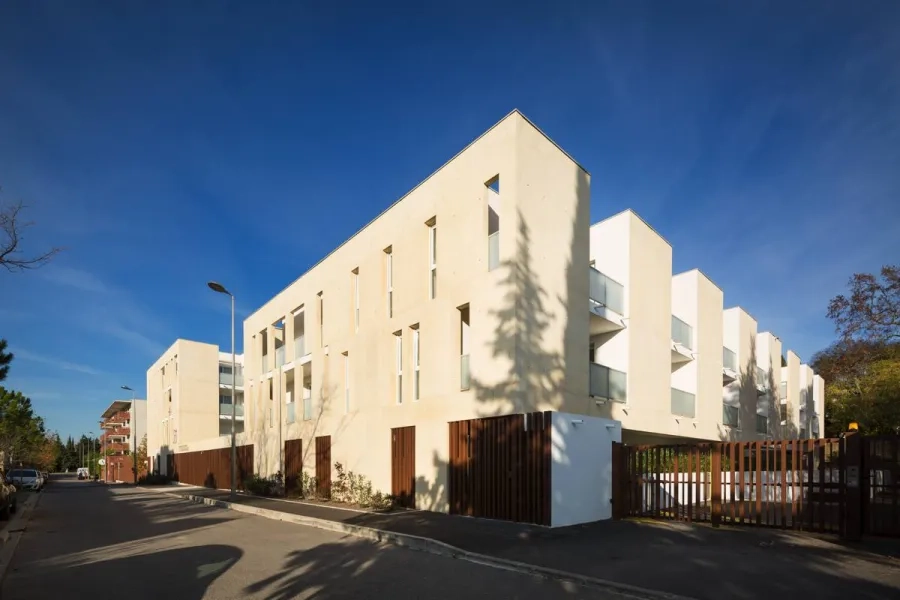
point(729, 359)
point(782, 390)
point(225, 409)
point(493, 251)
point(761, 379)
point(307, 407)
point(607, 292)
point(682, 333)
point(683, 403)
point(762, 424)
point(291, 412)
point(608, 383)
point(465, 377)
point(279, 356)
point(299, 346)
point(265, 363)
point(226, 379)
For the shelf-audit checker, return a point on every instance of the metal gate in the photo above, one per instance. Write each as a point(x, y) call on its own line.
point(791, 484)
point(880, 487)
point(293, 464)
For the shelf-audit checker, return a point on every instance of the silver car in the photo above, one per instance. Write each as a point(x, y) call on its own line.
point(25, 479)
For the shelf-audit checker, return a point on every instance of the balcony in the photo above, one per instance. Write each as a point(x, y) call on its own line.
point(225, 379)
point(729, 366)
point(683, 404)
point(682, 341)
point(762, 383)
point(608, 384)
point(279, 356)
point(291, 412)
point(465, 377)
point(607, 303)
point(225, 410)
point(265, 364)
point(117, 447)
point(782, 393)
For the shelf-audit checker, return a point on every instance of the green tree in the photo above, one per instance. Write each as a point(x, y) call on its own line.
point(862, 369)
point(21, 431)
point(5, 360)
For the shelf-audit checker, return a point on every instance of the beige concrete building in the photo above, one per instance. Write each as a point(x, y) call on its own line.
point(467, 298)
point(189, 398)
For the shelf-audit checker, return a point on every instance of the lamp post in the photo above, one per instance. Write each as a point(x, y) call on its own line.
point(218, 287)
point(134, 467)
point(105, 464)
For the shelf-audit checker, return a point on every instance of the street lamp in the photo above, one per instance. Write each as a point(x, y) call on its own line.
point(218, 287)
point(134, 467)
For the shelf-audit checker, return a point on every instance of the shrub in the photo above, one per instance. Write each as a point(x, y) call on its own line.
point(264, 486)
point(154, 479)
point(356, 489)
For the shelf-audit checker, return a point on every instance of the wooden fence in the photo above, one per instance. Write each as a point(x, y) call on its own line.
point(500, 468)
point(212, 468)
point(795, 484)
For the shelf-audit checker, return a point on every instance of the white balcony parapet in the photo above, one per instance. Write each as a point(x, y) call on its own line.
point(607, 384)
point(607, 303)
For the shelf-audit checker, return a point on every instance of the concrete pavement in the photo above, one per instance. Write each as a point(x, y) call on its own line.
point(87, 539)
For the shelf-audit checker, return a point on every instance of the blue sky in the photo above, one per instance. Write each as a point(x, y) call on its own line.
point(762, 140)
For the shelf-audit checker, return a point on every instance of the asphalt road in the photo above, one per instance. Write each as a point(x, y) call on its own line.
point(86, 540)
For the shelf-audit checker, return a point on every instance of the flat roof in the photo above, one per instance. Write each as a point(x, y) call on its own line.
point(115, 407)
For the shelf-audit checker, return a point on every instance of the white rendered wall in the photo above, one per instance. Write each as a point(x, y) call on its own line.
point(581, 468)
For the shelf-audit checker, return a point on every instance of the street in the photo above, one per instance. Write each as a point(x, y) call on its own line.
point(86, 538)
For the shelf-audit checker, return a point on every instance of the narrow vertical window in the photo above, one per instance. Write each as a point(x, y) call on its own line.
point(464, 373)
point(493, 202)
point(346, 382)
point(356, 299)
point(271, 406)
point(398, 383)
point(415, 360)
point(432, 257)
point(321, 320)
point(389, 279)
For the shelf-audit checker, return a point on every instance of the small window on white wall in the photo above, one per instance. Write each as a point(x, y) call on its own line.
point(389, 279)
point(398, 384)
point(346, 382)
point(355, 275)
point(416, 345)
point(432, 257)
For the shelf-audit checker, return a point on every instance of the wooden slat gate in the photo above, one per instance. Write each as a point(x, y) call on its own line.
point(500, 468)
point(323, 466)
point(211, 468)
point(795, 484)
point(403, 466)
point(293, 464)
point(880, 479)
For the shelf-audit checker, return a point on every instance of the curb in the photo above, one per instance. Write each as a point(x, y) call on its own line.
point(432, 546)
point(13, 532)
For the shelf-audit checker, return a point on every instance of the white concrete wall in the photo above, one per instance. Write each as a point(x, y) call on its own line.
point(739, 335)
point(807, 399)
point(819, 401)
point(768, 358)
point(791, 375)
point(527, 348)
point(581, 468)
point(627, 249)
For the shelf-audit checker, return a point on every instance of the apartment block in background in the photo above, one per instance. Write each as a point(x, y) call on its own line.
point(467, 298)
point(740, 396)
point(768, 377)
point(789, 392)
point(189, 398)
point(124, 425)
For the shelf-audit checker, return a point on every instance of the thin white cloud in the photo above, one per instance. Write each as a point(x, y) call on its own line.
point(75, 278)
point(52, 361)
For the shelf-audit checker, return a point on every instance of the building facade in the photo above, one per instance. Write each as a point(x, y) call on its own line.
point(189, 398)
point(124, 425)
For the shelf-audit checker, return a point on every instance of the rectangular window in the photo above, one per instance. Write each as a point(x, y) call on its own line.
point(464, 374)
point(271, 405)
point(493, 194)
point(346, 382)
point(762, 424)
point(299, 333)
point(432, 259)
point(730, 415)
point(321, 320)
point(389, 279)
point(356, 299)
point(398, 336)
point(415, 349)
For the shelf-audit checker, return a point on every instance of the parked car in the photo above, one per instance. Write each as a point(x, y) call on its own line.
point(26, 479)
point(8, 502)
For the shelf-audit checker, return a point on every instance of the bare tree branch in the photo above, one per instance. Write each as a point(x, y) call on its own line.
point(872, 310)
point(11, 237)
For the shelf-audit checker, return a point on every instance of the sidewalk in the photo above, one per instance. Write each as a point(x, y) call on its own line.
point(694, 561)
